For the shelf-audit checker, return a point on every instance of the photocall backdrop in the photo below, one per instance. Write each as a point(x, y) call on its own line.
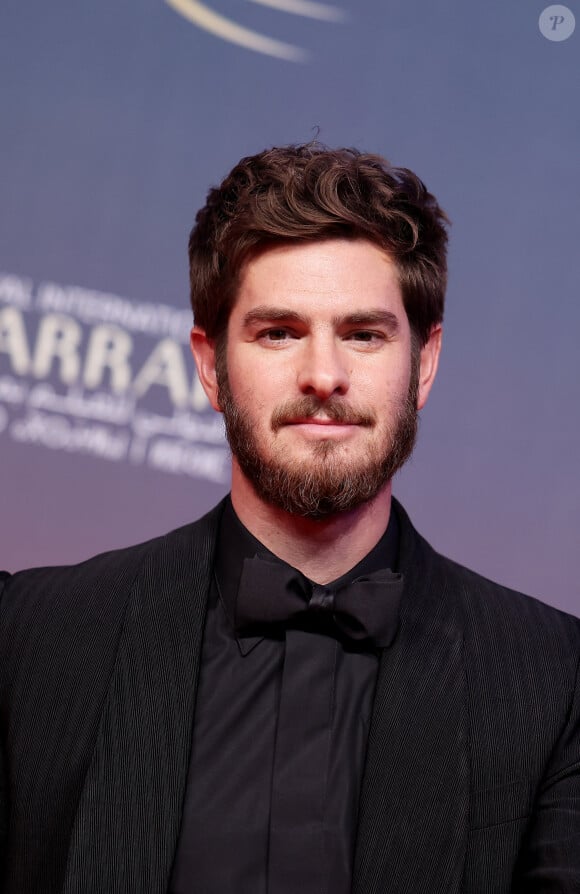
point(116, 119)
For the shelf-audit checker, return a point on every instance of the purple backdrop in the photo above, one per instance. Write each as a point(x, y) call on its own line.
point(116, 118)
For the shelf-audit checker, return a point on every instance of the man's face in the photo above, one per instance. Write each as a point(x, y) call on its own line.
point(318, 382)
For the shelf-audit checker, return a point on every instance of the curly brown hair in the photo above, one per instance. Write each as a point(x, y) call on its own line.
point(308, 193)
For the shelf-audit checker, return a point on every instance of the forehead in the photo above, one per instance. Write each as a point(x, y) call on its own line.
point(334, 275)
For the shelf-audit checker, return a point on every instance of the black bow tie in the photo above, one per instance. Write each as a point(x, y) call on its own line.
point(271, 592)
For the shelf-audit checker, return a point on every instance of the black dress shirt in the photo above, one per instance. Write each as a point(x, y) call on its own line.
point(279, 741)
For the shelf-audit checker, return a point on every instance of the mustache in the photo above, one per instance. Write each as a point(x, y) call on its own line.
point(334, 408)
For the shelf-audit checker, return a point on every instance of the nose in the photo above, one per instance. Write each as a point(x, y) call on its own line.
point(323, 371)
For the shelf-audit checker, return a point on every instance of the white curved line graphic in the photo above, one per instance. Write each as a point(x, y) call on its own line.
point(222, 27)
point(307, 8)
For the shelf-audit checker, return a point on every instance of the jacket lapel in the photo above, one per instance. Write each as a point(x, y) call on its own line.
point(412, 830)
point(414, 800)
point(127, 823)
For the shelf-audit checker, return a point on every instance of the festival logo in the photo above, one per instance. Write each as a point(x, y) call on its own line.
point(92, 373)
point(201, 15)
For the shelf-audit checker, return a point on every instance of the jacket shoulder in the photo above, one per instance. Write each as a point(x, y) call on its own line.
point(486, 604)
point(520, 659)
point(78, 610)
point(475, 593)
point(495, 620)
point(109, 569)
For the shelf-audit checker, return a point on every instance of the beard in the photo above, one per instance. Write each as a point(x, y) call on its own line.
point(326, 483)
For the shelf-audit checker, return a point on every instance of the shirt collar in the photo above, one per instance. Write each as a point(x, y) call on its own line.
point(235, 543)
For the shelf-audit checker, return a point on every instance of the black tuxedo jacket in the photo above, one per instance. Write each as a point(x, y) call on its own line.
point(472, 776)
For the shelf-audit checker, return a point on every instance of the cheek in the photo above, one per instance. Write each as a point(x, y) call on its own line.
point(251, 393)
point(384, 385)
point(259, 381)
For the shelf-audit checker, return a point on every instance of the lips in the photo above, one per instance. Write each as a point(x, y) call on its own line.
point(310, 411)
point(317, 420)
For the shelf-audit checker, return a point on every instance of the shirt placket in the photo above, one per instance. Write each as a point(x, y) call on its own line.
point(297, 859)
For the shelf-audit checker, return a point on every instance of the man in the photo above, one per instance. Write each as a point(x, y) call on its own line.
point(295, 694)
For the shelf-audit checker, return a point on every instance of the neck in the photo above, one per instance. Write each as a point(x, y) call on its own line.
point(322, 549)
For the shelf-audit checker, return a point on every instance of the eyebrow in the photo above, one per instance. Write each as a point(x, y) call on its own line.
point(265, 313)
point(371, 318)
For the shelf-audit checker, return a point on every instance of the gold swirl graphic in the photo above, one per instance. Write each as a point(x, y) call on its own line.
point(306, 8)
point(215, 23)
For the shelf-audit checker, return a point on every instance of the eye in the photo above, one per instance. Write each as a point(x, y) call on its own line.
point(366, 336)
point(277, 335)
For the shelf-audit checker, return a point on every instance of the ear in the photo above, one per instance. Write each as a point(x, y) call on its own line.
point(428, 364)
point(203, 350)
